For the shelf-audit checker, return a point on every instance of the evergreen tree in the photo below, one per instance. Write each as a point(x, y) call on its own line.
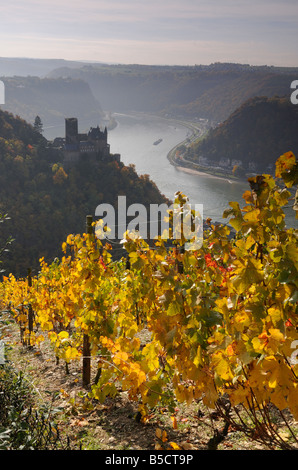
point(38, 125)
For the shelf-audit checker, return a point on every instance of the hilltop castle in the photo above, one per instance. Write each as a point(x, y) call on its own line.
point(93, 145)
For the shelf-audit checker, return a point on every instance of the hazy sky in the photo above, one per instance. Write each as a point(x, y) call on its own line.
point(170, 32)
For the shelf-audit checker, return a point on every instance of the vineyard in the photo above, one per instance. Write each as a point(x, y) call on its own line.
point(217, 325)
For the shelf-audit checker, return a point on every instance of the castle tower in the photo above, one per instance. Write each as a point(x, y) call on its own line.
point(93, 144)
point(71, 130)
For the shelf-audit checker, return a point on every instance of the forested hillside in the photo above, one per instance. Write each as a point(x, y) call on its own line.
point(256, 134)
point(212, 92)
point(52, 100)
point(45, 201)
point(87, 91)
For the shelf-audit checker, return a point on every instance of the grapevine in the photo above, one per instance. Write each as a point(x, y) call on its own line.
point(220, 321)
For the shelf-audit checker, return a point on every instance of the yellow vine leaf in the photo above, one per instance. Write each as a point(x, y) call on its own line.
point(247, 273)
point(174, 446)
point(174, 422)
point(222, 366)
point(284, 163)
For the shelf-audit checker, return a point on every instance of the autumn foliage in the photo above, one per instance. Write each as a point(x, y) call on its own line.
point(223, 325)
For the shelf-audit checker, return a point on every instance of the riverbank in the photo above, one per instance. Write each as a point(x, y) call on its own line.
point(199, 173)
point(194, 168)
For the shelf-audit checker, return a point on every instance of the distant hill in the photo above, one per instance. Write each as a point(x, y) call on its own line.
point(212, 92)
point(46, 202)
point(52, 100)
point(256, 134)
point(11, 66)
point(87, 90)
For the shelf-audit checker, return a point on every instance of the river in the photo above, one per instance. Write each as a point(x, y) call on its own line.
point(134, 139)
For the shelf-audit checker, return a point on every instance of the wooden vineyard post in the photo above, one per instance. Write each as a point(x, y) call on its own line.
point(86, 342)
point(86, 361)
point(30, 311)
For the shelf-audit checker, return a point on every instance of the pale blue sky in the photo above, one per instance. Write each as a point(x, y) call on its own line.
point(170, 32)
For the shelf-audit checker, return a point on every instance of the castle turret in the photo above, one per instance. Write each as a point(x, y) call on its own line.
point(71, 130)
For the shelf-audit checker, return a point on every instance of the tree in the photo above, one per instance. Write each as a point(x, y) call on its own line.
point(38, 125)
point(59, 175)
point(4, 244)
